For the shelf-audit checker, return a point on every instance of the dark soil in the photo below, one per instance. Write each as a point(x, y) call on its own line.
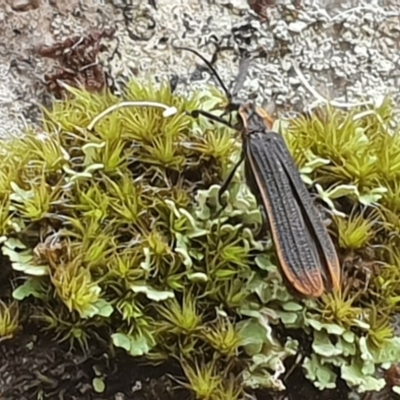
point(37, 368)
point(34, 367)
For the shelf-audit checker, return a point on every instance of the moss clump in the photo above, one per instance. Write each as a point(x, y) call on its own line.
point(116, 233)
point(9, 320)
point(350, 157)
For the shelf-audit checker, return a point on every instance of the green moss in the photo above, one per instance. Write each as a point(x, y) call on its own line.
point(115, 230)
point(355, 232)
point(359, 181)
point(9, 320)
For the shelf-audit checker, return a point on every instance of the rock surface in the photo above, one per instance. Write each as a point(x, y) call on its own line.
point(343, 52)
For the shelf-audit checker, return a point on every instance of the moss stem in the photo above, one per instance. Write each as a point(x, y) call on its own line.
point(168, 111)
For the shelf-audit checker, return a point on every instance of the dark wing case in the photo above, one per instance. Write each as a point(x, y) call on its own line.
point(303, 246)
